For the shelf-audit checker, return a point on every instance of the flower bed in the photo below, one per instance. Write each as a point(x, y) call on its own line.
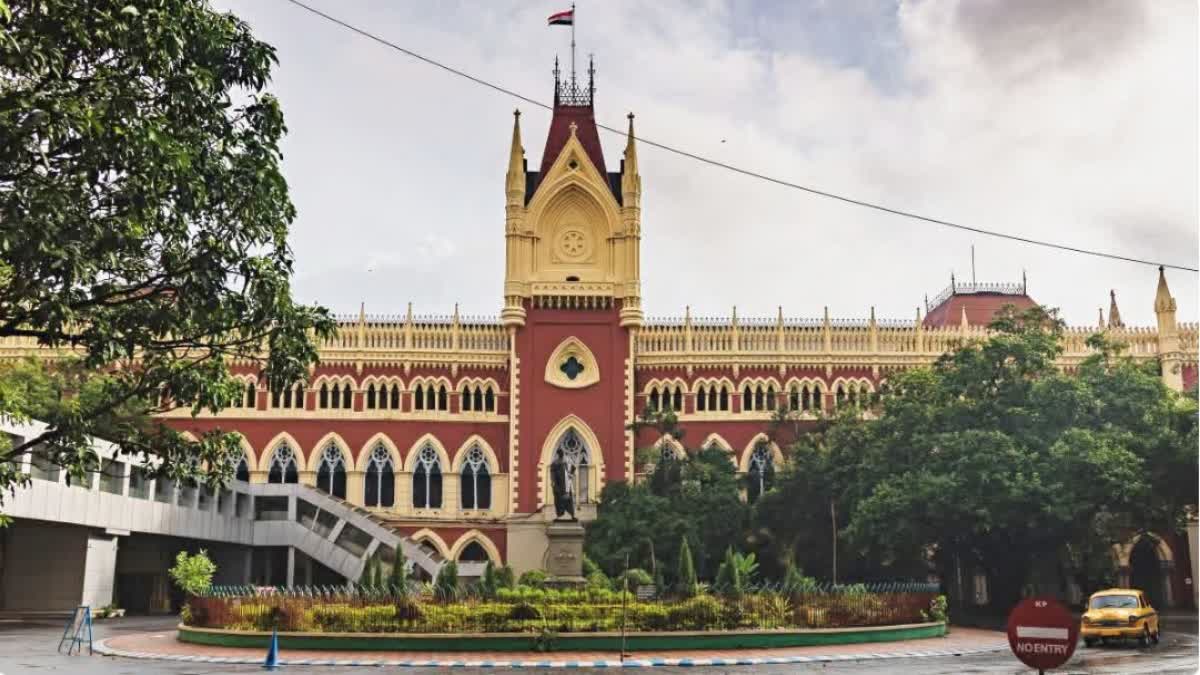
point(526, 610)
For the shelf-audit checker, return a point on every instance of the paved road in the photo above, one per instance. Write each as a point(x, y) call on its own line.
point(29, 649)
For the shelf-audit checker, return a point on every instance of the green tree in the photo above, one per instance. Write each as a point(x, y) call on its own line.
point(728, 581)
point(686, 584)
point(994, 458)
point(446, 584)
point(487, 583)
point(145, 227)
point(193, 573)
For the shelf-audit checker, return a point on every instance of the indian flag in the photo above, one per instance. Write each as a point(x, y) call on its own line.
point(566, 18)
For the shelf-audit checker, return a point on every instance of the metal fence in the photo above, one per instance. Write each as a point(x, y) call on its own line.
point(418, 609)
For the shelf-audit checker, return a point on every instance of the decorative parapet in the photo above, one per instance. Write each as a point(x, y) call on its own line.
point(695, 340)
point(971, 288)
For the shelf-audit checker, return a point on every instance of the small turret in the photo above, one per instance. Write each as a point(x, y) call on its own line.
point(1168, 335)
point(514, 181)
point(1114, 314)
point(631, 180)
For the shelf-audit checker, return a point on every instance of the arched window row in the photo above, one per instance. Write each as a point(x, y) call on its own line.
point(758, 396)
point(713, 397)
point(379, 476)
point(289, 397)
point(478, 398)
point(431, 396)
point(805, 396)
point(668, 396)
point(335, 397)
point(246, 396)
point(475, 396)
point(383, 397)
point(854, 392)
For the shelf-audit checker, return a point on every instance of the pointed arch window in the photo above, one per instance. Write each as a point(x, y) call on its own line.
point(371, 397)
point(443, 399)
point(323, 396)
point(653, 403)
point(475, 481)
point(677, 400)
point(380, 488)
point(242, 472)
point(331, 475)
point(427, 479)
point(702, 399)
point(394, 402)
point(571, 455)
point(477, 402)
point(762, 472)
point(840, 395)
point(489, 400)
point(419, 398)
point(723, 399)
point(283, 466)
point(473, 552)
point(347, 397)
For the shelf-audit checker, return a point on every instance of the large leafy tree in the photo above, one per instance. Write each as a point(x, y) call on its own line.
point(993, 457)
point(143, 226)
point(696, 497)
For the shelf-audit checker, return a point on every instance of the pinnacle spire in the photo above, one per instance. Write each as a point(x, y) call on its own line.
point(515, 178)
point(1114, 314)
point(1163, 302)
point(631, 181)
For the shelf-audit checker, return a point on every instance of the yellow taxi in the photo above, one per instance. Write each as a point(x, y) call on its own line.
point(1119, 613)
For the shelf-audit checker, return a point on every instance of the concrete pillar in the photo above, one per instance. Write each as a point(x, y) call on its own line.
point(1193, 542)
point(308, 571)
point(247, 566)
point(99, 571)
point(291, 566)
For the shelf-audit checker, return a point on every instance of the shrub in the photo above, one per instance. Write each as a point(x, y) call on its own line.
point(702, 612)
point(193, 574)
point(938, 610)
point(635, 577)
point(534, 579)
point(728, 581)
point(795, 582)
point(505, 577)
point(524, 611)
point(407, 608)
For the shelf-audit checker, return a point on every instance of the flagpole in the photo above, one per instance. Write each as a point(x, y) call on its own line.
point(572, 43)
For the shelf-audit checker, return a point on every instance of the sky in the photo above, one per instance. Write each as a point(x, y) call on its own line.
point(1074, 122)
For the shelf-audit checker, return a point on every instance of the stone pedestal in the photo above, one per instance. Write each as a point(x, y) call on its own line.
point(564, 556)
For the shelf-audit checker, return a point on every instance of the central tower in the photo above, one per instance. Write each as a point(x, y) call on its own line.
point(572, 229)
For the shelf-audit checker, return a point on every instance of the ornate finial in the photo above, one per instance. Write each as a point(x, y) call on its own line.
point(516, 112)
point(573, 128)
point(953, 287)
point(1101, 317)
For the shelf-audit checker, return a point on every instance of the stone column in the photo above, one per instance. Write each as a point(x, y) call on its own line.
point(355, 488)
point(291, 566)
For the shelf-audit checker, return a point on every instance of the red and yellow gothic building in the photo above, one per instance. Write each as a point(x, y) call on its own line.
point(448, 427)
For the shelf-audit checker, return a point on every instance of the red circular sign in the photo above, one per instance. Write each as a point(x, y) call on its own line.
point(1042, 633)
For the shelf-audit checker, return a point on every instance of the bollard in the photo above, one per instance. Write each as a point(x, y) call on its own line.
point(272, 661)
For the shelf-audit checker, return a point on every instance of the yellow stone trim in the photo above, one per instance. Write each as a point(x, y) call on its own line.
point(595, 457)
point(776, 453)
point(572, 346)
point(717, 440)
point(484, 541)
point(273, 445)
point(426, 534)
point(410, 459)
point(364, 453)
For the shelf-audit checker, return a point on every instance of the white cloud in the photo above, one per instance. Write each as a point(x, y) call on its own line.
point(1073, 122)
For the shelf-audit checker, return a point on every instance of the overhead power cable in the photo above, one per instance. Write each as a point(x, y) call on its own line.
point(736, 169)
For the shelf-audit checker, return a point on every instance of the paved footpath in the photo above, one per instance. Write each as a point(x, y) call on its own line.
point(163, 645)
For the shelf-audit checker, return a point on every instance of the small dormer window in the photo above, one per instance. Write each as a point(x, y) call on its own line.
point(571, 367)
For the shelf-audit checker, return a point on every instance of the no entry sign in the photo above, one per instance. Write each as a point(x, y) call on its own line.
point(1042, 633)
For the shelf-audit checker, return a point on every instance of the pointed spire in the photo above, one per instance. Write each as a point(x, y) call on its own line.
point(631, 162)
point(514, 184)
point(1114, 314)
point(964, 323)
point(1163, 302)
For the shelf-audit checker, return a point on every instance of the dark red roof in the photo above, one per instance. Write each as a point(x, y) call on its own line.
point(981, 308)
point(585, 129)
